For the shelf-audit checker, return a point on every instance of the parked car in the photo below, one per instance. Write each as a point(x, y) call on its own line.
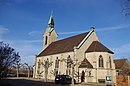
point(63, 79)
point(11, 75)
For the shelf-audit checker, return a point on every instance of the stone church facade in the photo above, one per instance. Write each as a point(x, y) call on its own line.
point(84, 50)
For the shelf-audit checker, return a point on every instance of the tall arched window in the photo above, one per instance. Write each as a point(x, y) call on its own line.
point(46, 40)
point(56, 66)
point(39, 64)
point(69, 63)
point(100, 61)
point(110, 62)
point(57, 63)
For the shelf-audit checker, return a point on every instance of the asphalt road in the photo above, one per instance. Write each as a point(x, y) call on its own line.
point(13, 81)
point(25, 82)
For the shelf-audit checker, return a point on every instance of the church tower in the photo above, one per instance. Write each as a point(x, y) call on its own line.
point(50, 34)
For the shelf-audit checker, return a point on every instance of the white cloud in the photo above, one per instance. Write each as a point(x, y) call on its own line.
point(27, 49)
point(34, 33)
point(117, 27)
point(121, 26)
point(3, 30)
point(29, 41)
point(123, 50)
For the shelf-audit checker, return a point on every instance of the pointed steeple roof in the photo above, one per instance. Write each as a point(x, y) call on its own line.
point(51, 21)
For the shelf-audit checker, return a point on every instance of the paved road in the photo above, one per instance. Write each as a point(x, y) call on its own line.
point(35, 82)
point(25, 82)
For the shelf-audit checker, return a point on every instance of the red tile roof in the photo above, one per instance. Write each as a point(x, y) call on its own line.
point(119, 63)
point(96, 46)
point(64, 45)
point(85, 64)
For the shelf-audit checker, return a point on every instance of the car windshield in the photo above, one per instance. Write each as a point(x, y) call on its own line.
point(58, 76)
point(68, 77)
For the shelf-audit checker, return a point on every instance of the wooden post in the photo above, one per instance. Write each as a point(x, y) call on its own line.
point(128, 80)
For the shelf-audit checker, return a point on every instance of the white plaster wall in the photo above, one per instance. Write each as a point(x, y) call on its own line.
point(36, 68)
point(88, 78)
point(52, 58)
point(106, 70)
point(80, 53)
point(94, 57)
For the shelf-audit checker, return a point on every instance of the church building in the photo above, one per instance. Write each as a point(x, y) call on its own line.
point(85, 51)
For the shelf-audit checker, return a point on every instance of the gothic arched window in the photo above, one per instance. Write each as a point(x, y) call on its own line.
point(69, 62)
point(110, 62)
point(39, 63)
point(47, 63)
point(57, 63)
point(46, 40)
point(100, 61)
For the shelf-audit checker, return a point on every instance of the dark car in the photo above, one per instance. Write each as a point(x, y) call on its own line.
point(63, 79)
point(11, 75)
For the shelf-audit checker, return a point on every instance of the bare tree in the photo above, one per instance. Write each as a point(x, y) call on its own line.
point(125, 7)
point(8, 56)
point(46, 66)
point(18, 65)
point(71, 63)
point(29, 68)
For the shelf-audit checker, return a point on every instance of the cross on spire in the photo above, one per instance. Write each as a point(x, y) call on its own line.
point(51, 12)
point(51, 20)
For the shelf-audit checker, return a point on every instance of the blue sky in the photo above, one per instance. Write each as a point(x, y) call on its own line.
point(22, 23)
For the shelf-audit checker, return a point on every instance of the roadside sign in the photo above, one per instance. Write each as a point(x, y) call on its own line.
point(108, 78)
point(109, 81)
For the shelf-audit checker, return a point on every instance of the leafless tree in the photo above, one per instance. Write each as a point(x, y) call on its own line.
point(46, 64)
point(29, 68)
point(71, 63)
point(8, 56)
point(125, 7)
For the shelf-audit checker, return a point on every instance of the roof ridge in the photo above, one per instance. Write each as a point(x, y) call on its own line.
point(71, 36)
point(63, 45)
point(121, 59)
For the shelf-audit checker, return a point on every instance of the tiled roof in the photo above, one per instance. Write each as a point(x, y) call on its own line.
point(119, 63)
point(85, 64)
point(96, 46)
point(64, 45)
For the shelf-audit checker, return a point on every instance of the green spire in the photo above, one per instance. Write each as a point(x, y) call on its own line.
point(51, 20)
